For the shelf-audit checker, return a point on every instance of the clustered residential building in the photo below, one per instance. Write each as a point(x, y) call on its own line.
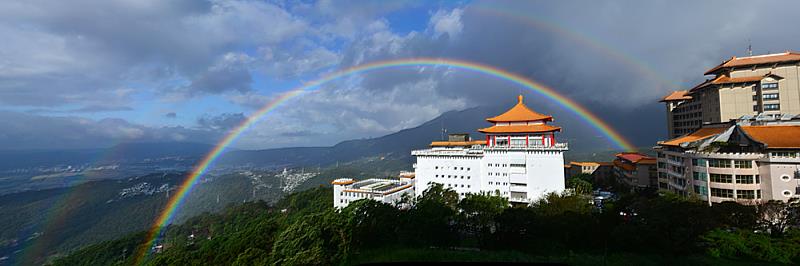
point(735, 137)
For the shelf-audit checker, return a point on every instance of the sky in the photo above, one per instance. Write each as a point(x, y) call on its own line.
point(91, 74)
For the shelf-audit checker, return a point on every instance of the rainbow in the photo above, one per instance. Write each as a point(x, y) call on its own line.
point(519, 16)
point(166, 215)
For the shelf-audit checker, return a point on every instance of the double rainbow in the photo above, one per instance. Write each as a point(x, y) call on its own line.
point(167, 214)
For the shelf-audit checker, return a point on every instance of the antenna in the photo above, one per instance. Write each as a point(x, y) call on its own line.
point(749, 48)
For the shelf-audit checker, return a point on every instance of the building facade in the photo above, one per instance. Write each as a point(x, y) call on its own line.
point(519, 159)
point(763, 84)
point(348, 190)
point(748, 161)
point(636, 170)
point(596, 170)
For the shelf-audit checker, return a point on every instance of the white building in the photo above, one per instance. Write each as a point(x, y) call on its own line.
point(519, 159)
point(347, 190)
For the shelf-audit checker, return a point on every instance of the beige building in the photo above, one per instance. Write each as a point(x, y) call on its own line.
point(597, 170)
point(748, 161)
point(764, 84)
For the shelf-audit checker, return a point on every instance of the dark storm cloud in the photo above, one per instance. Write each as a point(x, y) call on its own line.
point(29, 131)
point(221, 122)
point(171, 115)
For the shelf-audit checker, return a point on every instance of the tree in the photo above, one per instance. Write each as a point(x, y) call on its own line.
point(777, 216)
point(580, 186)
point(478, 213)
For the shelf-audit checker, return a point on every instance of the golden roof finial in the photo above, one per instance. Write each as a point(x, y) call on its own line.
point(519, 98)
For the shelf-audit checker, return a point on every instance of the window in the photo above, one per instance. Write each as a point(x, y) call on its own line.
point(745, 179)
point(745, 194)
point(743, 164)
point(769, 86)
point(719, 163)
point(787, 193)
point(786, 178)
point(721, 193)
point(518, 165)
point(699, 176)
point(772, 107)
point(755, 108)
point(770, 96)
point(755, 97)
point(721, 178)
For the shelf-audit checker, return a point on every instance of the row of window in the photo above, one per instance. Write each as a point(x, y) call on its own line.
point(729, 193)
point(769, 86)
point(783, 154)
point(767, 96)
point(452, 176)
point(687, 116)
point(722, 163)
point(446, 168)
point(498, 174)
point(726, 178)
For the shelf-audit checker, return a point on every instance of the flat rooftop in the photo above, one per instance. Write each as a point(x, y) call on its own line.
point(383, 186)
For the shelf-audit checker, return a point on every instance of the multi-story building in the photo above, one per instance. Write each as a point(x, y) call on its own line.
point(768, 84)
point(749, 160)
point(347, 190)
point(636, 170)
point(597, 170)
point(520, 159)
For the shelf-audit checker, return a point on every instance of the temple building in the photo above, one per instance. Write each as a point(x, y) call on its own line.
point(519, 159)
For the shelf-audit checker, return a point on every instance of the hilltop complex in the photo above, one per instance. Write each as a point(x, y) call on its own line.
point(736, 137)
point(519, 159)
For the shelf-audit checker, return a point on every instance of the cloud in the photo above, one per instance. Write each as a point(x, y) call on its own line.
point(171, 115)
point(221, 122)
point(29, 131)
point(449, 23)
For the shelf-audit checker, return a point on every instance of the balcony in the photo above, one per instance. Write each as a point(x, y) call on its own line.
point(557, 147)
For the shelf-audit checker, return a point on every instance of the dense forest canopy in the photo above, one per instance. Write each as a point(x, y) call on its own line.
point(304, 228)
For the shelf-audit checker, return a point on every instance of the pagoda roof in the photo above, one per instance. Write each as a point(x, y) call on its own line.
point(519, 113)
point(520, 129)
point(677, 96)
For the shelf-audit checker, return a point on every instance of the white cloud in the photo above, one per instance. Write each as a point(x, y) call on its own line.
point(449, 23)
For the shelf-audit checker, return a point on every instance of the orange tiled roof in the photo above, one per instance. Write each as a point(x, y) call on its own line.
point(728, 80)
point(633, 157)
point(343, 182)
point(787, 56)
point(520, 129)
point(677, 96)
point(457, 143)
point(699, 134)
point(775, 136)
point(585, 163)
point(519, 113)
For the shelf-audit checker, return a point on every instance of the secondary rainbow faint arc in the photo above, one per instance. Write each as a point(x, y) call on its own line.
point(541, 24)
point(203, 166)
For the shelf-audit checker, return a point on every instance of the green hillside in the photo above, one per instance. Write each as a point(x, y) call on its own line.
point(303, 229)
